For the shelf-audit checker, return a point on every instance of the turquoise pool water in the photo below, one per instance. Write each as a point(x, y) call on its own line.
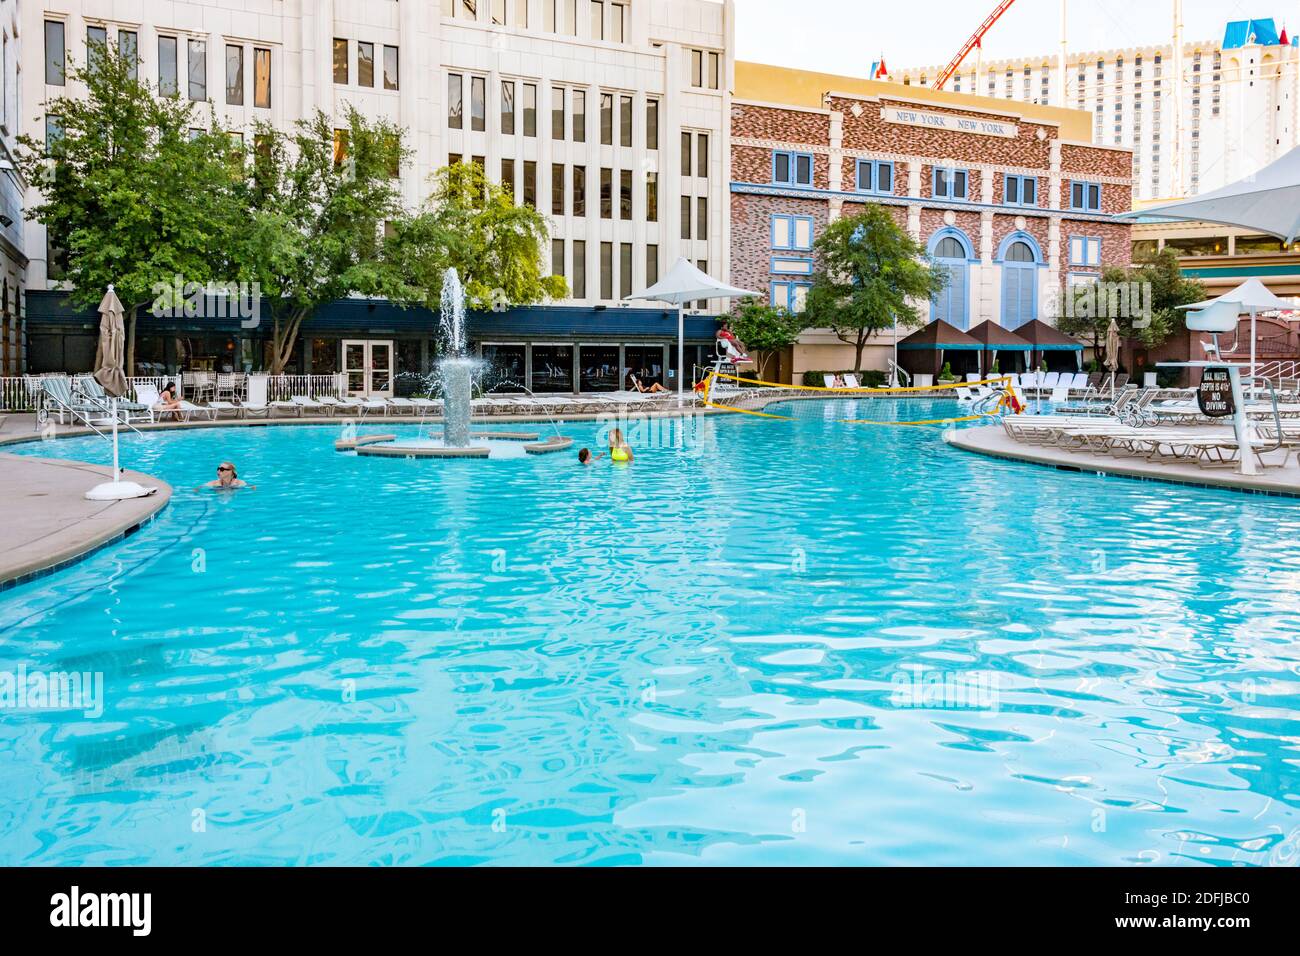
point(787, 642)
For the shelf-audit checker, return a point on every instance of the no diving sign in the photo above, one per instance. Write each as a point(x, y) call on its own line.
point(1215, 394)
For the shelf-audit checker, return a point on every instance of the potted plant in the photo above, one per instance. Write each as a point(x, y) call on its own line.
point(946, 375)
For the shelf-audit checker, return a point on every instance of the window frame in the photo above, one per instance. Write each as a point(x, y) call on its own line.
point(1088, 186)
point(1088, 243)
point(1020, 181)
point(792, 220)
point(876, 166)
point(951, 172)
point(793, 157)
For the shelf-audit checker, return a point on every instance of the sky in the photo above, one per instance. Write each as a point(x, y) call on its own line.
point(931, 32)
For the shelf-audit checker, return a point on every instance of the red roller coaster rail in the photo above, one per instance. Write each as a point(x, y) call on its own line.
point(972, 43)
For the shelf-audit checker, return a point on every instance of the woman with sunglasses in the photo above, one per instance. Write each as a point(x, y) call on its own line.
point(227, 477)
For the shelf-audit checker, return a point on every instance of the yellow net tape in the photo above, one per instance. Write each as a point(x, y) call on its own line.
point(1008, 401)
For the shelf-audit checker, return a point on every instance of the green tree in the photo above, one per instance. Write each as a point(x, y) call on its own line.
point(473, 224)
point(765, 329)
point(128, 194)
point(1125, 294)
point(318, 203)
point(869, 271)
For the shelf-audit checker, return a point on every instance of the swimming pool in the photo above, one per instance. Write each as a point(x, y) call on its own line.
point(786, 642)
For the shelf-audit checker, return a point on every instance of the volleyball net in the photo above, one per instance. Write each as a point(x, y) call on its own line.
point(855, 405)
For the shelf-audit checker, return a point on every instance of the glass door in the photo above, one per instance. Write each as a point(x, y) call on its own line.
point(368, 368)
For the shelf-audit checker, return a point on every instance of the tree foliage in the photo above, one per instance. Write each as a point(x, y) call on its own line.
point(869, 272)
point(766, 329)
point(128, 193)
point(473, 224)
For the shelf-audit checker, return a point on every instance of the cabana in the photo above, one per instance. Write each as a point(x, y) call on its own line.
point(1058, 350)
point(925, 351)
point(1009, 350)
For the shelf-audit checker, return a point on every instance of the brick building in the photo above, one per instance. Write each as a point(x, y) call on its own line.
point(1005, 201)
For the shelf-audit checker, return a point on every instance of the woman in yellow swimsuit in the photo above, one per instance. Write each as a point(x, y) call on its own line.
point(618, 447)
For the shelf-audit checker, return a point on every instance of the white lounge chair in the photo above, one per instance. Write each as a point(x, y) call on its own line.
point(1060, 395)
point(368, 405)
point(851, 381)
point(973, 377)
point(830, 380)
point(1050, 381)
point(255, 403)
point(400, 405)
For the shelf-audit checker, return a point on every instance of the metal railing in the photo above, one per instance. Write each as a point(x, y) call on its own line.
point(18, 392)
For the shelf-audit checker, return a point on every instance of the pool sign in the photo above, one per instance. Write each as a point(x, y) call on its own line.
point(948, 122)
point(1215, 394)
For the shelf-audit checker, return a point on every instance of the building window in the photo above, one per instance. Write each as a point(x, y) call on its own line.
point(530, 183)
point(1085, 251)
point(625, 121)
point(508, 107)
point(791, 296)
point(508, 176)
point(651, 264)
point(557, 189)
point(261, 78)
point(340, 148)
point(390, 68)
point(791, 266)
point(455, 101)
point(557, 257)
point(340, 61)
point(579, 289)
point(606, 193)
point(597, 20)
point(557, 113)
point(579, 116)
point(607, 270)
point(234, 75)
point(606, 119)
point(1085, 197)
point(701, 217)
point(950, 183)
point(580, 190)
point(198, 70)
point(478, 104)
point(1019, 286)
point(792, 169)
point(168, 78)
point(652, 124)
point(686, 153)
point(651, 197)
point(702, 155)
point(530, 109)
point(686, 217)
point(96, 44)
point(792, 232)
point(624, 270)
point(560, 16)
point(625, 194)
point(875, 177)
point(706, 69)
point(365, 64)
point(56, 55)
point(128, 48)
point(1020, 191)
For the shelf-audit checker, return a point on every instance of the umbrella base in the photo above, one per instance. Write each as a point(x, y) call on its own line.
point(118, 491)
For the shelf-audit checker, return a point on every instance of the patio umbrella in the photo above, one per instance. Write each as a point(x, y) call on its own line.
point(109, 374)
point(1252, 297)
point(685, 283)
point(1268, 201)
point(1112, 352)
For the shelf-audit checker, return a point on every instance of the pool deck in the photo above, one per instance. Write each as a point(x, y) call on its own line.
point(994, 442)
point(47, 521)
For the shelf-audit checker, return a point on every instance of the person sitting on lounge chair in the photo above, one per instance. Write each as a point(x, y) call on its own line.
point(227, 477)
point(636, 386)
point(169, 400)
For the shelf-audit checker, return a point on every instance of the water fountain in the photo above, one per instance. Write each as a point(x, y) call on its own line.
point(455, 379)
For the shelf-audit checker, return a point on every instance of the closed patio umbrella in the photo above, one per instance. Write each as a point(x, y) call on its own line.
point(1112, 352)
point(685, 283)
point(109, 356)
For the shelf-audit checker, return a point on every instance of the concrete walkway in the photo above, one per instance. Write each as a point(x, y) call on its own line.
point(995, 442)
point(48, 522)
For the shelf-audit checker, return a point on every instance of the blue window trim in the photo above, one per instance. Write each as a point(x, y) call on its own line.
point(789, 287)
point(1094, 276)
point(792, 219)
point(1018, 236)
point(1087, 239)
point(876, 166)
point(934, 183)
point(794, 168)
point(775, 271)
point(1085, 207)
point(957, 234)
point(1006, 179)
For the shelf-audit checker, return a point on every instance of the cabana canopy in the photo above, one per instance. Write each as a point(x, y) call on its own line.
point(939, 335)
point(997, 339)
point(1043, 338)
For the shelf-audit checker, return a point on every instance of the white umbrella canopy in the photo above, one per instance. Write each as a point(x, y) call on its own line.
point(685, 283)
point(1268, 201)
point(1251, 294)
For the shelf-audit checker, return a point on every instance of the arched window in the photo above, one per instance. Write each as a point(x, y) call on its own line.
point(1019, 285)
point(951, 303)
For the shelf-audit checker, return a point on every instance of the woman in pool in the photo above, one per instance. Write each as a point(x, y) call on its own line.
point(227, 477)
point(619, 450)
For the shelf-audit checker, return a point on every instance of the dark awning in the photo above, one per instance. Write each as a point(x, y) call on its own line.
point(995, 338)
point(939, 335)
point(1043, 338)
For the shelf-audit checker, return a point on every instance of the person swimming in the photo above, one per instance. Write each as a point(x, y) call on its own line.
point(585, 457)
point(227, 477)
point(619, 450)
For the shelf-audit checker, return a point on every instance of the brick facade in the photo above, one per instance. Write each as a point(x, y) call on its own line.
point(852, 129)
